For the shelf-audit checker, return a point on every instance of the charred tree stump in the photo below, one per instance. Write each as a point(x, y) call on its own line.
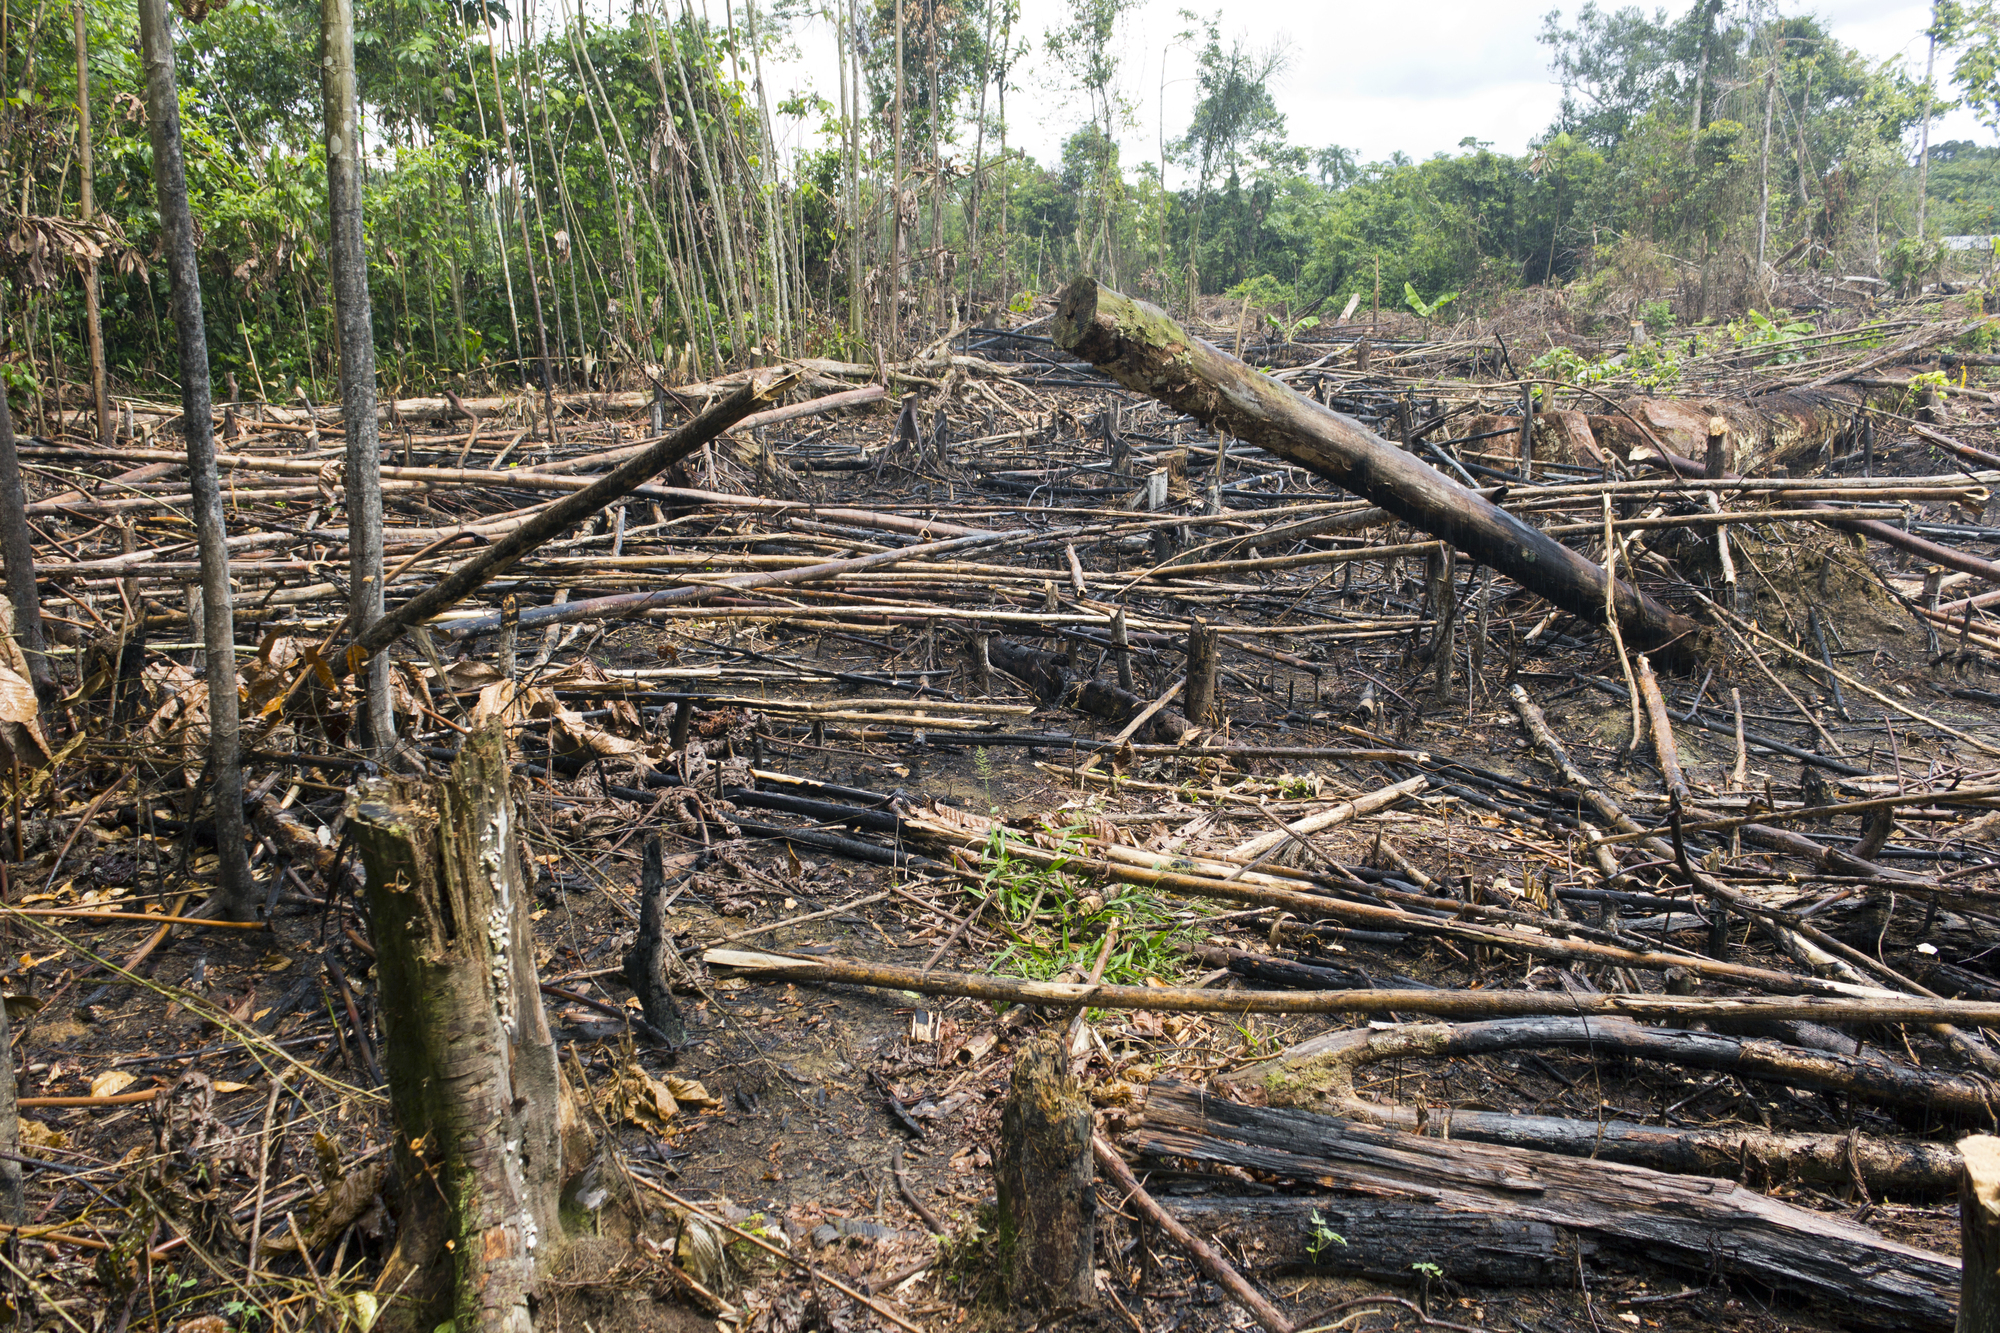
point(646, 961)
point(1050, 676)
point(474, 1086)
point(1203, 657)
point(1979, 1235)
point(1048, 1203)
point(1142, 347)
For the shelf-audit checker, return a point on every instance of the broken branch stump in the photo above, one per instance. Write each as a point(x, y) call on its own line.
point(1048, 1208)
point(474, 1087)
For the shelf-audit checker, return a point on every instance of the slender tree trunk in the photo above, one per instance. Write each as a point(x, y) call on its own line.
point(354, 321)
point(493, 196)
point(896, 202)
point(13, 1209)
point(225, 760)
point(18, 553)
point(1923, 132)
point(107, 426)
point(972, 250)
point(527, 244)
point(1764, 173)
point(725, 277)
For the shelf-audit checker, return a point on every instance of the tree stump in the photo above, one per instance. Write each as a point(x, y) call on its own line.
point(647, 961)
point(1979, 1235)
point(1048, 1206)
point(1204, 652)
point(474, 1085)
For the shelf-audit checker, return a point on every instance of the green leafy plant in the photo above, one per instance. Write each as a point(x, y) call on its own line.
point(1426, 309)
point(1323, 1239)
point(1058, 923)
point(1758, 330)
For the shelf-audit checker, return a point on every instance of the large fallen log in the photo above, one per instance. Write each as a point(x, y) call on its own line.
point(1319, 1074)
point(1141, 347)
point(1688, 1221)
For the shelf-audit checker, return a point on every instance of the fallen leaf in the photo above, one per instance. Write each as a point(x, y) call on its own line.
point(111, 1082)
point(35, 1134)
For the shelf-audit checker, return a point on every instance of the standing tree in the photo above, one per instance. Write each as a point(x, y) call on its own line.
point(1233, 107)
point(1084, 48)
point(93, 320)
point(356, 320)
point(18, 552)
point(218, 631)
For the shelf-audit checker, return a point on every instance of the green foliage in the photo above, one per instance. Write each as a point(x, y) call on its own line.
point(1426, 309)
point(1645, 365)
point(1323, 1239)
point(1757, 330)
point(1056, 921)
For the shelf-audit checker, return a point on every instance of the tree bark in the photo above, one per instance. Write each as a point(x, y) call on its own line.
point(17, 551)
point(218, 637)
point(354, 317)
point(1692, 1222)
point(1048, 1208)
point(1141, 347)
point(1204, 654)
point(1383, 1240)
point(473, 1081)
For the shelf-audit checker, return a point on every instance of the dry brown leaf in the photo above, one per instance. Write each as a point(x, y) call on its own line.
point(35, 1134)
point(110, 1083)
point(691, 1092)
point(635, 1096)
point(21, 736)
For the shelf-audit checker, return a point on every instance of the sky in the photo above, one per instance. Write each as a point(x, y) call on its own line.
point(1377, 78)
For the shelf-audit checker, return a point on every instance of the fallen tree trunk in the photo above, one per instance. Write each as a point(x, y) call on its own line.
point(1049, 675)
point(1887, 1008)
point(1141, 347)
point(1738, 1154)
point(1688, 1221)
point(1319, 1074)
point(561, 516)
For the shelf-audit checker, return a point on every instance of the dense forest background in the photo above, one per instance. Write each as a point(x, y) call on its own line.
point(618, 182)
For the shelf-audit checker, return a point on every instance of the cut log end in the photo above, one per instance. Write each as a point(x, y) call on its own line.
point(1979, 1235)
